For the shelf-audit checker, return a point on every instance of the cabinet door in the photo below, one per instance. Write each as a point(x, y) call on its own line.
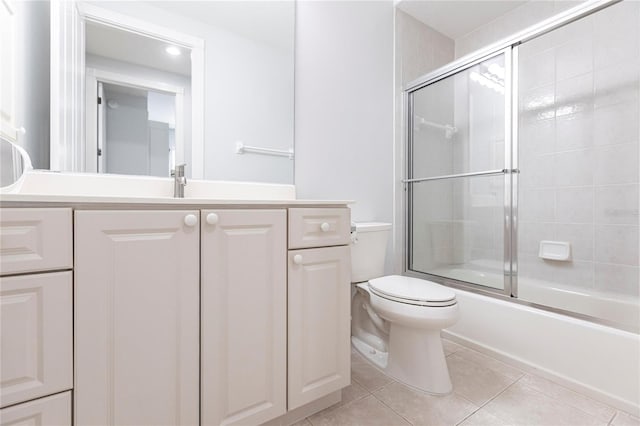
point(54, 410)
point(243, 316)
point(319, 323)
point(36, 341)
point(136, 318)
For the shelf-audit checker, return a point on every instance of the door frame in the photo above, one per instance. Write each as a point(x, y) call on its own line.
point(93, 76)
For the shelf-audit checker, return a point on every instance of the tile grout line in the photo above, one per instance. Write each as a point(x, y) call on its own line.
point(615, 410)
point(503, 391)
point(386, 405)
point(491, 399)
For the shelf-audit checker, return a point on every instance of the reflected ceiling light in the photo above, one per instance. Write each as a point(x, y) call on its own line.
point(485, 81)
point(173, 51)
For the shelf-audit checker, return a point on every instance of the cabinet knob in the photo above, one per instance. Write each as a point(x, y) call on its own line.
point(191, 220)
point(297, 259)
point(325, 227)
point(212, 218)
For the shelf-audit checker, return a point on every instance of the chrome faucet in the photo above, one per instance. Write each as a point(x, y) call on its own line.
point(179, 181)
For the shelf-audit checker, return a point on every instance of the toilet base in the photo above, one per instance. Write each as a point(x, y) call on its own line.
point(376, 357)
point(415, 358)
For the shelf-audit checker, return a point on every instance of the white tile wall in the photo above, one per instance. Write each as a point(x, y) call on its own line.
point(617, 204)
point(574, 205)
point(617, 163)
point(579, 158)
point(514, 21)
point(617, 244)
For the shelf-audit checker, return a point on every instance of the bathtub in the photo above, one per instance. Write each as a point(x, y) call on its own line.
point(596, 360)
point(614, 308)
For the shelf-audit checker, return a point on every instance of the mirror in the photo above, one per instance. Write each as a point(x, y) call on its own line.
point(14, 162)
point(123, 102)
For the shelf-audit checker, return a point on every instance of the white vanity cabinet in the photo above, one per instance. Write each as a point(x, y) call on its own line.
point(244, 316)
point(319, 310)
point(219, 316)
point(136, 303)
point(260, 331)
point(35, 312)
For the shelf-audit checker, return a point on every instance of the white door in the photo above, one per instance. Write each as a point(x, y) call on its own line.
point(136, 317)
point(243, 316)
point(319, 323)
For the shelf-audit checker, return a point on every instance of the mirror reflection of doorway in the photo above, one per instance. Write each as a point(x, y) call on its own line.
point(136, 130)
point(143, 124)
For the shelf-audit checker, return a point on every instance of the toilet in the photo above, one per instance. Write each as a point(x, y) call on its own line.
point(396, 320)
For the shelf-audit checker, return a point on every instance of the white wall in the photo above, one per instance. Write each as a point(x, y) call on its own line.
point(32, 79)
point(344, 105)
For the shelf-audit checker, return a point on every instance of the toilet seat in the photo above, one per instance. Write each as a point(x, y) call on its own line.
point(412, 291)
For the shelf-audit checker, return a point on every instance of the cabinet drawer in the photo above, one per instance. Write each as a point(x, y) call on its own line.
point(36, 341)
point(53, 410)
point(319, 227)
point(33, 240)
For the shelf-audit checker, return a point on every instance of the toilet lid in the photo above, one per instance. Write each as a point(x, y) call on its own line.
point(412, 290)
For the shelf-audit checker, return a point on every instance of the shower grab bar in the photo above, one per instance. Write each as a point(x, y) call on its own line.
point(460, 175)
point(242, 148)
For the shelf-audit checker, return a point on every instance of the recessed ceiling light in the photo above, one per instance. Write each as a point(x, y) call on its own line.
point(173, 51)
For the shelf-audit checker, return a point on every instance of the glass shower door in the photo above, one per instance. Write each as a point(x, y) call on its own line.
point(458, 192)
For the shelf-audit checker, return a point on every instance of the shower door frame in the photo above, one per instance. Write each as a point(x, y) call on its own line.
point(506, 171)
point(508, 47)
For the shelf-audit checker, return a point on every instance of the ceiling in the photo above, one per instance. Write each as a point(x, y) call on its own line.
point(114, 43)
point(455, 18)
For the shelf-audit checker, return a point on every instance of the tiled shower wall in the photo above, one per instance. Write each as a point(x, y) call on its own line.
point(578, 137)
point(530, 13)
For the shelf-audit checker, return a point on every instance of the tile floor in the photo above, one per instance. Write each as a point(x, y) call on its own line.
point(486, 392)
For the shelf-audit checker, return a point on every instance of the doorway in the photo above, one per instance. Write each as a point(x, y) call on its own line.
point(136, 130)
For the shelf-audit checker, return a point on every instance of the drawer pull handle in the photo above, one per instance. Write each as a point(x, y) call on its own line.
point(297, 259)
point(324, 227)
point(191, 220)
point(212, 218)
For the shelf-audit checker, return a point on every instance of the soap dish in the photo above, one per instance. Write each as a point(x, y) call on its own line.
point(555, 250)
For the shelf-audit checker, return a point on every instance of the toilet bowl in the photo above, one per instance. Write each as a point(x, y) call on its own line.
point(396, 320)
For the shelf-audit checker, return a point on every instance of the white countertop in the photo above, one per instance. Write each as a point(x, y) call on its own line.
point(90, 189)
point(9, 200)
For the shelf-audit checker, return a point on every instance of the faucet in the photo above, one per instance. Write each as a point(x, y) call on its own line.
point(179, 181)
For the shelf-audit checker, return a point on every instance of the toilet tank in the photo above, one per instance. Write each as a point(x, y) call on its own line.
point(369, 250)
